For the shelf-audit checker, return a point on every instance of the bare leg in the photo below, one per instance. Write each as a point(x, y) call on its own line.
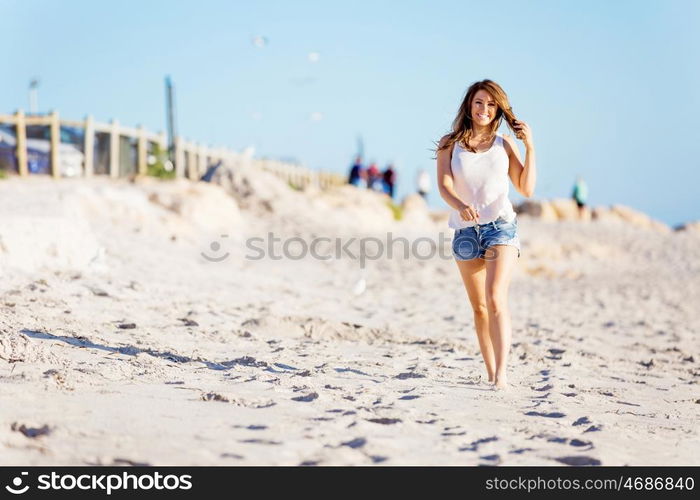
point(474, 277)
point(500, 262)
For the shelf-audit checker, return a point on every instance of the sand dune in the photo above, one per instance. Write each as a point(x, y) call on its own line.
point(122, 341)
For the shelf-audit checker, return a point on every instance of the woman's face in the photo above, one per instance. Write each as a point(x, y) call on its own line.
point(483, 108)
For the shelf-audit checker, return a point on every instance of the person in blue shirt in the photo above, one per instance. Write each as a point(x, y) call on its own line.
point(389, 178)
point(356, 177)
point(580, 195)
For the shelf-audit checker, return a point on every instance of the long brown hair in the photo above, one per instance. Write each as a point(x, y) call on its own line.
point(462, 124)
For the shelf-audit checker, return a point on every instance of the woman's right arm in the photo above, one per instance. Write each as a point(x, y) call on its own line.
point(446, 182)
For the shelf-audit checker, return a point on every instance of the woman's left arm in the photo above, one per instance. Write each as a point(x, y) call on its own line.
point(522, 176)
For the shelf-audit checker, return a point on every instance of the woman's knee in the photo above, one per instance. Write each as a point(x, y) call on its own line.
point(496, 302)
point(481, 310)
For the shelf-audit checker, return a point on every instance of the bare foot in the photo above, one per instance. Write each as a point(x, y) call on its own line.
point(501, 383)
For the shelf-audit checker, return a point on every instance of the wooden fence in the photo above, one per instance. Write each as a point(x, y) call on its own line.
point(191, 160)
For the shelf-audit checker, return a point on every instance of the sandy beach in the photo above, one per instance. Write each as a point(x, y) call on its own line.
point(123, 342)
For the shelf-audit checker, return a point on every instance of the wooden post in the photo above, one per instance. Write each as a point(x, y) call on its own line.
point(162, 144)
point(191, 165)
point(142, 152)
point(55, 145)
point(114, 150)
point(21, 133)
point(193, 162)
point(202, 164)
point(162, 141)
point(179, 158)
point(89, 146)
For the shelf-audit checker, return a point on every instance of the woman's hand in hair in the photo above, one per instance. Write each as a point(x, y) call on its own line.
point(523, 132)
point(468, 213)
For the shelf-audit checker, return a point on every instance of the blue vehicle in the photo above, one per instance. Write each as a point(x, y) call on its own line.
point(39, 151)
point(8, 162)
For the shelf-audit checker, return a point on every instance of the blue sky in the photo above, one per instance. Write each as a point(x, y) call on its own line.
point(610, 88)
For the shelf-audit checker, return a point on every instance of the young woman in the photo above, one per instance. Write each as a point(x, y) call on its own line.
point(474, 164)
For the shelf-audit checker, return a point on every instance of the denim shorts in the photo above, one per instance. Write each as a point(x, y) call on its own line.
point(472, 242)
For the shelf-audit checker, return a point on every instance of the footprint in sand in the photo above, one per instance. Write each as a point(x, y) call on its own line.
point(555, 353)
point(126, 461)
point(31, 432)
point(355, 443)
point(448, 434)
point(351, 370)
point(450, 431)
point(384, 421)
point(245, 361)
point(407, 375)
point(520, 451)
point(554, 414)
point(474, 446)
point(251, 427)
point(579, 443)
point(213, 396)
point(260, 441)
point(578, 461)
point(285, 367)
point(306, 399)
point(492, 459)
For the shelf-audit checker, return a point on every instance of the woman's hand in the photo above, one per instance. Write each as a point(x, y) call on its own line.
point(468, 213)
point(523, 132)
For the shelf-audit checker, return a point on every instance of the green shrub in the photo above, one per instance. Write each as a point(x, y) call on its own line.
point(158, 168)
point(395, 209)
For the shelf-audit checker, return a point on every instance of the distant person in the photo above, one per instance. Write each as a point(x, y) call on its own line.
point(423, 182)
point(389, 178)
point(475, 167)
point(209, 174)
point(374, 178)
point(580, 195)
point(356, 177)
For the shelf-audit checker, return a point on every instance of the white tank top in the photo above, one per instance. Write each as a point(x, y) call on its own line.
point(481, 180)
